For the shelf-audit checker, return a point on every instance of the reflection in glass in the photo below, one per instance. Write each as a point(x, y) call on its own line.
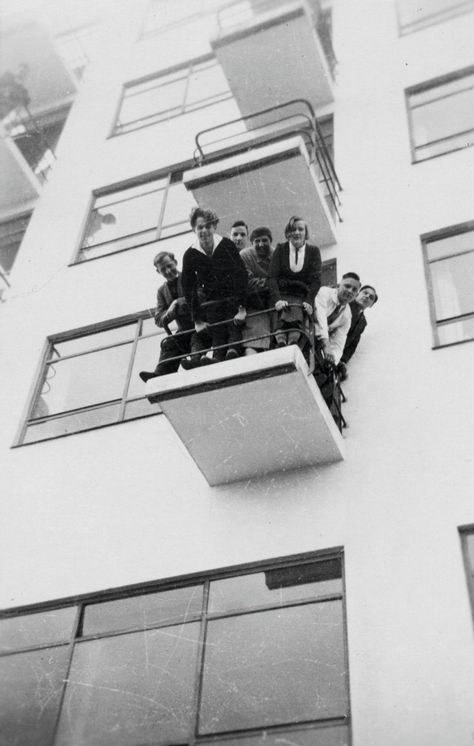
point(30, 695)
point(336, 735)
point(131, 689)
point(271, 667)
point(450, 245)
point(453, 286)
point(143, 611)
point(28, 630)
point(276, 586)
point(456, 331)
point(85, 380)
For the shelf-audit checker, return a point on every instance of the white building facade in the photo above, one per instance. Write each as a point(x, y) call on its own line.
point(324, 605)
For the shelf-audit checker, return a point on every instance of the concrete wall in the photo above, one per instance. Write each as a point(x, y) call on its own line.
point(126, 504)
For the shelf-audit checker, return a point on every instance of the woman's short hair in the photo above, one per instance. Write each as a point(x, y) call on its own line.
point(291, 224)
point(162, 256)
point(262, 230)
point(199, 212)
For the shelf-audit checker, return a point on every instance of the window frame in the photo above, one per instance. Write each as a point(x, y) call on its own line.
point(464, 533)
point(39, 379)
point(461, 8)
point(187, 66)
point(434, 83)
point(203, 578)
point(173, 175)
point(20, 216)
point(426, 239)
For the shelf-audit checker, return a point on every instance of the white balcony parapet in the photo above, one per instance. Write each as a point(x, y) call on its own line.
point(257, 41)
point(250, 417)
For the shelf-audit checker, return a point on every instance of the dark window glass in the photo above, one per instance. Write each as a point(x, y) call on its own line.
point(11, 236)
point(143, 611)
point(294, 655)
point(131, 689)
point(30, 695)
point(136, 216)
point(442, 116)
point(275, 587)
point(29, 630)
point(450, 263)
point(172, 94)
point(415, 15)
point(37, 140)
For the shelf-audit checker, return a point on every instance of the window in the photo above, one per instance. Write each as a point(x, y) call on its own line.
point(467, 540)
point(240, 657)
point(136, 215)
point(11, 236)
point(37, 138)
point(162, 97)
point(90, 378)
point(449, 261)
point(442, 115)
point(414, 15)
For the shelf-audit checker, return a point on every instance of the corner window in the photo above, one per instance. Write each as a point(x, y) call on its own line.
point(449, 262)
point(11, 236)
point(37, 138)
point(246, 656)
point(442, 115)
point(90, 378)
point(166, 96)
point(136, 215)
point(414, 15)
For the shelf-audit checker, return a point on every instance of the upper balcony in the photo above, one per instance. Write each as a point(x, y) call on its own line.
point(267, 166)
point(259, 38)
point(36, 91)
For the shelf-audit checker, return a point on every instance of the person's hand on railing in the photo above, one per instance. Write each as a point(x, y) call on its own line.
point(307, 308)
point(280, 305)
point(341, 370)
point(240, 316)
point(200, 326)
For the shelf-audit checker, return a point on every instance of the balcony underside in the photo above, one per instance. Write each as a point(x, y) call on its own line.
point(20, 185)
point(282, 48)
point(265, 186)
point(250, 417)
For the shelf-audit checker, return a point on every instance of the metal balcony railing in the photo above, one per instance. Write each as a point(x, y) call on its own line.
point(326, 376)
point(239, 11)
point(294, 117)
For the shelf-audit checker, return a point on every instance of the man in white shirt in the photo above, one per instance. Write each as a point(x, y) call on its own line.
point(333, 316)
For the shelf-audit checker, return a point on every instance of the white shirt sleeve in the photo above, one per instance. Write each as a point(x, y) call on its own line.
point(321, 313)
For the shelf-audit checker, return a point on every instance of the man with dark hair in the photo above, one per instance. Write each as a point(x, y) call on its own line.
point(333, 316)
point(215, 286)
point(171, 306)
point(366, 298)
point(239, 234)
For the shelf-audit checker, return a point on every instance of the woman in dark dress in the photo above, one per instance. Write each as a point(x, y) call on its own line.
point(295, 278)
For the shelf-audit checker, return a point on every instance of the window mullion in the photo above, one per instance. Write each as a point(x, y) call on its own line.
point(163, 206)
point(75, 633)
point(200, 664)
point(129, 371)
point(186, 87)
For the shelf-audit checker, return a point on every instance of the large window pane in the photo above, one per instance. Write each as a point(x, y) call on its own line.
point(414, 14)
point(453, 285)
point(71, 423)
point(90, 341)
point(275, 586)
point(336, 735)
point(457, 331)
point(179, 204)
point(131, 689)
point(28, 630)
point(146, 358)
point(11, 236)
point(450, 245)
point(84, 380)
point(271, 667)
point(30, 695)
point(143, 611)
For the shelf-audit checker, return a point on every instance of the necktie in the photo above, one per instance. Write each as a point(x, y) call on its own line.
point(334, 314)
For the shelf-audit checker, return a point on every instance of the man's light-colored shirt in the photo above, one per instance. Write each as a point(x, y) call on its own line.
point(336, 331)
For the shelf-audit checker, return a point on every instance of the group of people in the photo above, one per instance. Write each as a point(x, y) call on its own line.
point(235, 299)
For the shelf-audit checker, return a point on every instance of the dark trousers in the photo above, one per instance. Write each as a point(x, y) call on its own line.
point(179, 344)
point(223, 334)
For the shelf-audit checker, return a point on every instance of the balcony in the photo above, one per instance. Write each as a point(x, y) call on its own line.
point(266, 166)
point(257, 37)
point(251, 416)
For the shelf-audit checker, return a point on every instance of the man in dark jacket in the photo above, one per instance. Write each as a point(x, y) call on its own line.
point(215, 287)
point(171, 306)
point(366, 298)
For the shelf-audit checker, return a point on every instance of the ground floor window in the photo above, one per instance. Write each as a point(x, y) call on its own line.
point(242, 656)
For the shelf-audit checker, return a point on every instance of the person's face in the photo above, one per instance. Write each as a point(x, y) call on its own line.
point(297, 234)
point(205, 233)
point(238, 235)
point(167, 268)
point(347, 290)
point(262, 246)
point(366, 298)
